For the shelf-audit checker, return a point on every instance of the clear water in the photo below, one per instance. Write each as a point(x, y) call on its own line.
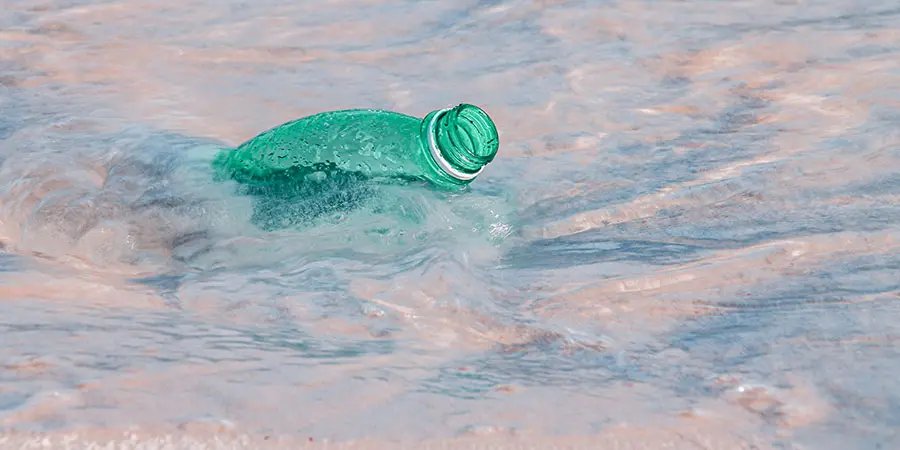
point(690, 236)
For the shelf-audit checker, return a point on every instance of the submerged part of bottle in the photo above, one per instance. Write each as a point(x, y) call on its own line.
point(448, 148)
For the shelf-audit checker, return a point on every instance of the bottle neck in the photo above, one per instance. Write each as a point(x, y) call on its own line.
point(461, 140)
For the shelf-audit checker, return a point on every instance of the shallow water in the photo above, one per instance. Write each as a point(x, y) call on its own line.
point(689, 237)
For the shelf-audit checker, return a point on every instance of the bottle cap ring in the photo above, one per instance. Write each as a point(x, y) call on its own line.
point(436, 152)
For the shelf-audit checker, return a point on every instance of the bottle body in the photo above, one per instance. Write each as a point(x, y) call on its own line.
point(326, 163)
point(369, 144)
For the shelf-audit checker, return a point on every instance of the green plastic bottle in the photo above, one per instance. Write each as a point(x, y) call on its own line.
point(448, 148)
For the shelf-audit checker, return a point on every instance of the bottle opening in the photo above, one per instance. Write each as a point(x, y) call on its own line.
point(465, 139)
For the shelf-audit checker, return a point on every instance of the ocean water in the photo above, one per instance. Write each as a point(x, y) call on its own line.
point(690, 236)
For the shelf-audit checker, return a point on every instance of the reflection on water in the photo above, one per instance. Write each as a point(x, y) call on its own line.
point(689, 237)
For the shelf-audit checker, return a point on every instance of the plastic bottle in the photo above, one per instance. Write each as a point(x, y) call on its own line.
point(447, 148)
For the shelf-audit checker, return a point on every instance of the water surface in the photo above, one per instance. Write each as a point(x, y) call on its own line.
point(689, 236)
